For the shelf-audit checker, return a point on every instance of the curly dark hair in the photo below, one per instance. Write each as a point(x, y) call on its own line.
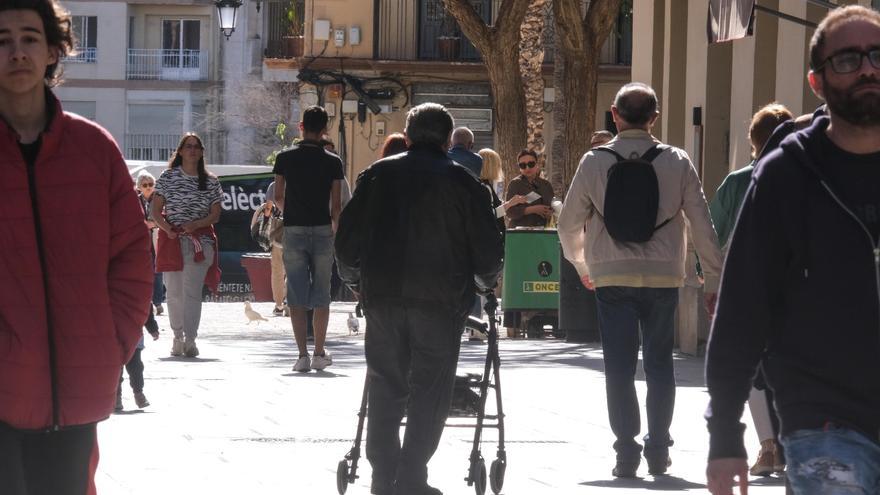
point(57, 27)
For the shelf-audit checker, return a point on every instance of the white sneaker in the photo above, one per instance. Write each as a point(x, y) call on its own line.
point(303, 365)
point(177, 347)
point(321, 362)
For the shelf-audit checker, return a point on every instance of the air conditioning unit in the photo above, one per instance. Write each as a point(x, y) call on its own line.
point(475, 119)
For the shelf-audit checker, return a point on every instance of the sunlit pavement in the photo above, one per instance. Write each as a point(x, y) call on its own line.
point(237, 420)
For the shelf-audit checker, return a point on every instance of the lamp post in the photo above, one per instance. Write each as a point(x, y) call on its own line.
point(227, 11)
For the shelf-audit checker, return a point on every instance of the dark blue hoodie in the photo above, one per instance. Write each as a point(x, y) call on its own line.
point(800, 295)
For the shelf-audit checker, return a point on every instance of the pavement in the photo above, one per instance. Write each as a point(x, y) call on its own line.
point(237, 420)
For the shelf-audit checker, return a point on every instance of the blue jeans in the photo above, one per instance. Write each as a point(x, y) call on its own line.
point(832, 461)
point(308, 261)
point(623, 312)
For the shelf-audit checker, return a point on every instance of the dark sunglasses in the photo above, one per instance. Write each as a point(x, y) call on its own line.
point(147, 184)
point(525, 165)
point(850, 60)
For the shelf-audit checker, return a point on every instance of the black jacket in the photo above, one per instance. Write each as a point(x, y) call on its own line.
point(419, 231)
point(800, 294)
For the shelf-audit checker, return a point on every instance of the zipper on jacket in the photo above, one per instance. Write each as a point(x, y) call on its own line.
point(53, 371)
point(874, 245)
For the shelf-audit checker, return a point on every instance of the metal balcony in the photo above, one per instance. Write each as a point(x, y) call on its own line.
point(156, 147)
point(83, 55)
point(167, 65)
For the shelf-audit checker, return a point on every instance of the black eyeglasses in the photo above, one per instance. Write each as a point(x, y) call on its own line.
point(850, 60)
point(524, 165)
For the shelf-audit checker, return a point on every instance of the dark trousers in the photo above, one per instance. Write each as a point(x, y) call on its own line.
point(623, 311)
point(48, 463)
point(411, 357)
point(135, 369)
point(158, 289)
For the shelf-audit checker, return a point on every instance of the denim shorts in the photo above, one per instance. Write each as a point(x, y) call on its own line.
point(308, 261)
point(832, 461)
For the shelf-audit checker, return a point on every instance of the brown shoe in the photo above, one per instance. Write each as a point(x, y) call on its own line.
point(764, 466)
point(141, 400)
point(778, 461)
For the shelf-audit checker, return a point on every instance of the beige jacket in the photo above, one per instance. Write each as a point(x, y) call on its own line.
point(658, 262)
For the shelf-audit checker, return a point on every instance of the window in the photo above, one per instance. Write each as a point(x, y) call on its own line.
point(153, 131)
point(85, 29)
point(180, 43)
point(82, 108)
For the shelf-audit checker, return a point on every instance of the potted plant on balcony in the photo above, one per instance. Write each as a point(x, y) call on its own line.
point(293, 42)
point(449, 41)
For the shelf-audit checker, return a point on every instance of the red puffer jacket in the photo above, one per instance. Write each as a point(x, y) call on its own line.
point(75, 275)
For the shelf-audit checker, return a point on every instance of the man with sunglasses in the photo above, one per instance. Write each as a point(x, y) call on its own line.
point(801, 291)
point(535, 212)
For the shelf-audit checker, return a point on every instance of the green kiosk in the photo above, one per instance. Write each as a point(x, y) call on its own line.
point(531, 281)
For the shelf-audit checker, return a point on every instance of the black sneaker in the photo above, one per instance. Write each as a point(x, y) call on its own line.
point(278, 312)
point(658, 466)
point(624, 470)
point(118, 407)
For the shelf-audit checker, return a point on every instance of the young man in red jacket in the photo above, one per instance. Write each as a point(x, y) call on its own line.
point(74, 265)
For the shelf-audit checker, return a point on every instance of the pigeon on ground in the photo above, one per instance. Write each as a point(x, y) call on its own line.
point(252, 315)
point(353, 324)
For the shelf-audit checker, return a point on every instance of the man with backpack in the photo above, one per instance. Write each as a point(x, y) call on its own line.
point(623, 228)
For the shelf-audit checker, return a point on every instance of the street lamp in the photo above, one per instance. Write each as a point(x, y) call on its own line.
point(227, 10)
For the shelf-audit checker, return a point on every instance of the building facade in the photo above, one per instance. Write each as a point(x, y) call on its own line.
point(146, 71)
point(401, 53)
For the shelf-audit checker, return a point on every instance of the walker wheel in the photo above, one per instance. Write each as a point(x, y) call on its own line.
point(496, 475)
point(480, 480)
point(342, 477)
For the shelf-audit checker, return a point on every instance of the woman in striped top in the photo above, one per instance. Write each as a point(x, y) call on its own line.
point(185, 206)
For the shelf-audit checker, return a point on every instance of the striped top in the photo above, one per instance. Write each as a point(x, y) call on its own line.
point(183, 200)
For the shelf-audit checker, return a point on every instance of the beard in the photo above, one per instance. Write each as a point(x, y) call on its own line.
point(861, 110)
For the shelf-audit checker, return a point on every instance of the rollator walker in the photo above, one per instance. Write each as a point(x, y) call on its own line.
point(469, 401)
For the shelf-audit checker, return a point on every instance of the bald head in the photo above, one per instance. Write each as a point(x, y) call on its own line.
point(636, 105)
point(463, 136)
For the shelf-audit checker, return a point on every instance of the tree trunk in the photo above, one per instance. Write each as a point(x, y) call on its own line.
point(579, 41)
point(579, 112)
point(510, 113)
point(499, 47)
point(530, 61)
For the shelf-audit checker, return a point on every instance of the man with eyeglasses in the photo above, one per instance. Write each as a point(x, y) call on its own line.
point(536, 211)
point(801, 291)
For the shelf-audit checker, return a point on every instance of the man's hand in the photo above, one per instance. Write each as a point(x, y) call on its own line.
point(190, 227)
point(720, 474)
point(711, 301)
point(517, 199)
point(154, 334)
point(542, 210)
point(587, 282)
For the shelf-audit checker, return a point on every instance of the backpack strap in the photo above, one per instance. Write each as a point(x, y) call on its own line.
point(653, 152)
point(609, 150)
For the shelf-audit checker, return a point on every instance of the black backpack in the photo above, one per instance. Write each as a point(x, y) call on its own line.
point(632, 196)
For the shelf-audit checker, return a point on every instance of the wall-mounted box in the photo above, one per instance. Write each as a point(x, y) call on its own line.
point(322, 30)
point(354, 35)
point(349, 106)
point(339, 37)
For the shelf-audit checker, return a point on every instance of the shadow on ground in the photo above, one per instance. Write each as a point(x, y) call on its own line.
point(659, 483)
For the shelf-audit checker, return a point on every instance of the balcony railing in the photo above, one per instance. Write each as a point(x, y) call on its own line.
point(83, 56)
point(156, 147)
point(160, 147)
point(168, 65)
point(279, 26)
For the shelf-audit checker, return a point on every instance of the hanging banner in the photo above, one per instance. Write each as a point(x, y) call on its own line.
point(730, 19)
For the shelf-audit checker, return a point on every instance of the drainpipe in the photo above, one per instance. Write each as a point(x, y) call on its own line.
point(376, 8)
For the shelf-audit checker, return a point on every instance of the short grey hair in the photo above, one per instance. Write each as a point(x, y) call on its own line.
point(143, 174)
point(462, 135)
point(429, 123)
point(636, 103)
